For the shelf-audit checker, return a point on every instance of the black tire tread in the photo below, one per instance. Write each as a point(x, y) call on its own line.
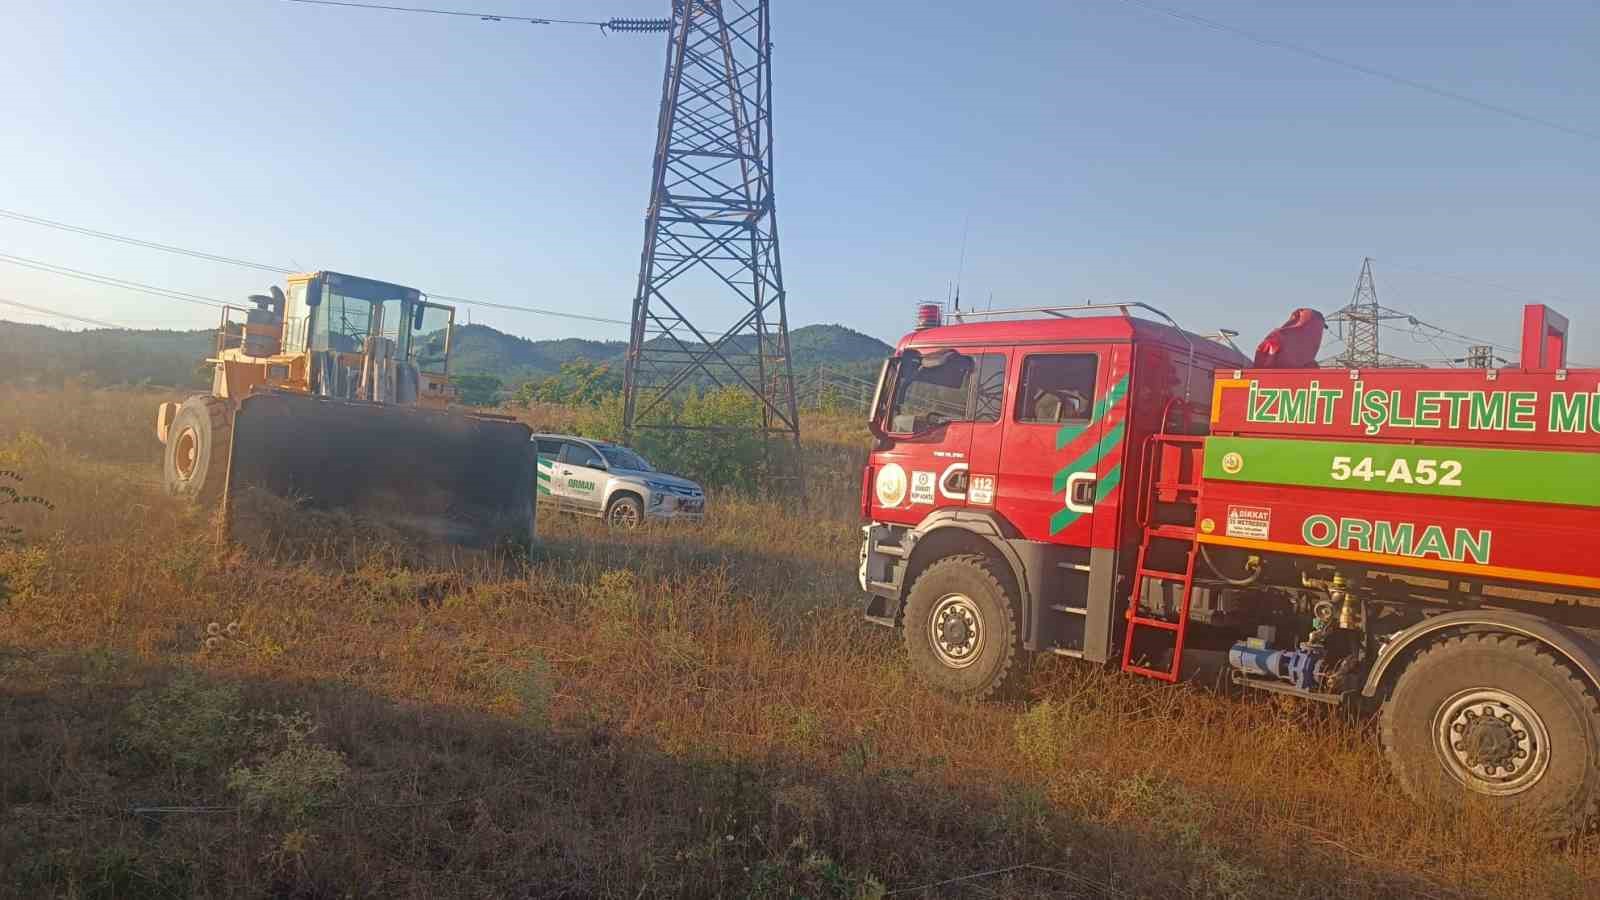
point(216, 411)
point(1012, 672)
point(1534, 651)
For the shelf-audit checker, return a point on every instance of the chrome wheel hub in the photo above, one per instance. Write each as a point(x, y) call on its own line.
point(1492, 741)
point(956, 631)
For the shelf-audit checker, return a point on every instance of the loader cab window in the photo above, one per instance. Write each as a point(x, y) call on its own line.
point(296, 318)
point(430, 339)
point(354, 309)
point(936, 387)
point(1057, 387)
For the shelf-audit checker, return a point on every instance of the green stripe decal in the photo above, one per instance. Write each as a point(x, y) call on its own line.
point(1111, 438)
point(1093, 457)
point(1070, 433)
point(1063, 517)
point(1533, 476)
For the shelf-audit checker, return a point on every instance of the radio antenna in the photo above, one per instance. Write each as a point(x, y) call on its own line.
point(961, 266)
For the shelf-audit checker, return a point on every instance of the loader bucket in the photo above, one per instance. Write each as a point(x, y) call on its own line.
point(299, 463)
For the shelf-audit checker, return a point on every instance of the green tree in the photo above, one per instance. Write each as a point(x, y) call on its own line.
point(578, 383)
point(477, 390)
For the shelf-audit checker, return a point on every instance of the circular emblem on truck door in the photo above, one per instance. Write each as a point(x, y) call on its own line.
point(1232, 463)
point(891, 485)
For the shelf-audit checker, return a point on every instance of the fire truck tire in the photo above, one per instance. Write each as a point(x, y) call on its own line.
point(195, 462)
point(962, 631)
point(1500, 717)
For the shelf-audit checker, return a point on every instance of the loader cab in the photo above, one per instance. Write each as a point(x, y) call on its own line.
point(345, 324)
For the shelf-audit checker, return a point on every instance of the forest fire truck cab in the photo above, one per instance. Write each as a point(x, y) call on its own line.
point(1093, 484)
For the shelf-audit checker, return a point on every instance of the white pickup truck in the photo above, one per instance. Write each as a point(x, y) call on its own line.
point(597, 478)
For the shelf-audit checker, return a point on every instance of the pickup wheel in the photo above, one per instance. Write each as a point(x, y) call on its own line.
point(1501, 718)
point(625, 512)
point(961, 629)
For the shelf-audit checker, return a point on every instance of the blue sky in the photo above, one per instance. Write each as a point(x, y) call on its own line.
point(1098, 149)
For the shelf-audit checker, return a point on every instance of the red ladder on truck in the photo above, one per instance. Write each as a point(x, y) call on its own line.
point(1172, 464)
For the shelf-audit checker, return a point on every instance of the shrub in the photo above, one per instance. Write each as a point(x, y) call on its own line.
point(291, 775)
point(188, 725)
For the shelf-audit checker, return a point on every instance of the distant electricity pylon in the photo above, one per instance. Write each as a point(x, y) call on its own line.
point(711, 233)
point(1359, 323)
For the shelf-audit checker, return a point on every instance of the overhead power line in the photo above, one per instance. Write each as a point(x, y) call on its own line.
point(139, 242)
point(244, 263)
point(1423, 86)
point(111, 281)
point(634, 26)
point(1515, 292)
point(59, 314)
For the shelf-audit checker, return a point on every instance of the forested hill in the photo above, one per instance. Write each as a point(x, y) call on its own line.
point(39, 354)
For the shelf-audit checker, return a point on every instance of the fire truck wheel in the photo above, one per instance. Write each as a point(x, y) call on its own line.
point(961, 629)
point(195, 463)
point(1500, 717)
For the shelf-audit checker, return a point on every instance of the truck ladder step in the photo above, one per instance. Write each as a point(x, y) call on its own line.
point(1161, 624)
point(1181, 456)
point(1158, 674)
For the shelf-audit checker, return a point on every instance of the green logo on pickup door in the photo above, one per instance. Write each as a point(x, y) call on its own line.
point(577, 485)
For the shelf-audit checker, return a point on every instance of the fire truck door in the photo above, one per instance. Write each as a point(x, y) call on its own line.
point(986, 430)
point(1050, 474)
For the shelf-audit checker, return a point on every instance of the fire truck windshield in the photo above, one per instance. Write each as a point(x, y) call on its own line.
point(941, 386)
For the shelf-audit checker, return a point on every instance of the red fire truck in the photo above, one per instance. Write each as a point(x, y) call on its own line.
point(1092, 483)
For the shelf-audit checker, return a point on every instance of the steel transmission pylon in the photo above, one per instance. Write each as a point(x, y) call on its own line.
point(1359, 323)
point(711, 235)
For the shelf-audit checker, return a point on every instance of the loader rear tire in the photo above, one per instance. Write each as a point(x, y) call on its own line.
point(1501, 719)
point(195, 465)
point(963, 631)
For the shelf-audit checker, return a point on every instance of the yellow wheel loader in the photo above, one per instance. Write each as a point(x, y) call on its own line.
point(335, 395)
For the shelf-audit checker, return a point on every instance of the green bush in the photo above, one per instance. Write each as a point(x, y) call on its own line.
point(477, 390)
point(188, 725)
point(579, 383)
point(292, 775)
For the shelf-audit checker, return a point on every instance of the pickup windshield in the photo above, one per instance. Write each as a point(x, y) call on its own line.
point(623, 458)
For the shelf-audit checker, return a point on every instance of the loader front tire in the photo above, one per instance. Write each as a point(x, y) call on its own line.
point(962, 629)
point(195, 464)
point(1500, 718)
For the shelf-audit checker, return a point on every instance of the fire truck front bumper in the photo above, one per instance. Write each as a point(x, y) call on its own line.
point(884, 549)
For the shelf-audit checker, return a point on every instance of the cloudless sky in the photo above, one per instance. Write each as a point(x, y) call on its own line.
point(1099, 151)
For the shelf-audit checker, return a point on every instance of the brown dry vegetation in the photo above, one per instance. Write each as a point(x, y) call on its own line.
point(687, 712)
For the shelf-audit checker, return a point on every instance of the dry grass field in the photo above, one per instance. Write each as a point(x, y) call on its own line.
point(686, 712)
